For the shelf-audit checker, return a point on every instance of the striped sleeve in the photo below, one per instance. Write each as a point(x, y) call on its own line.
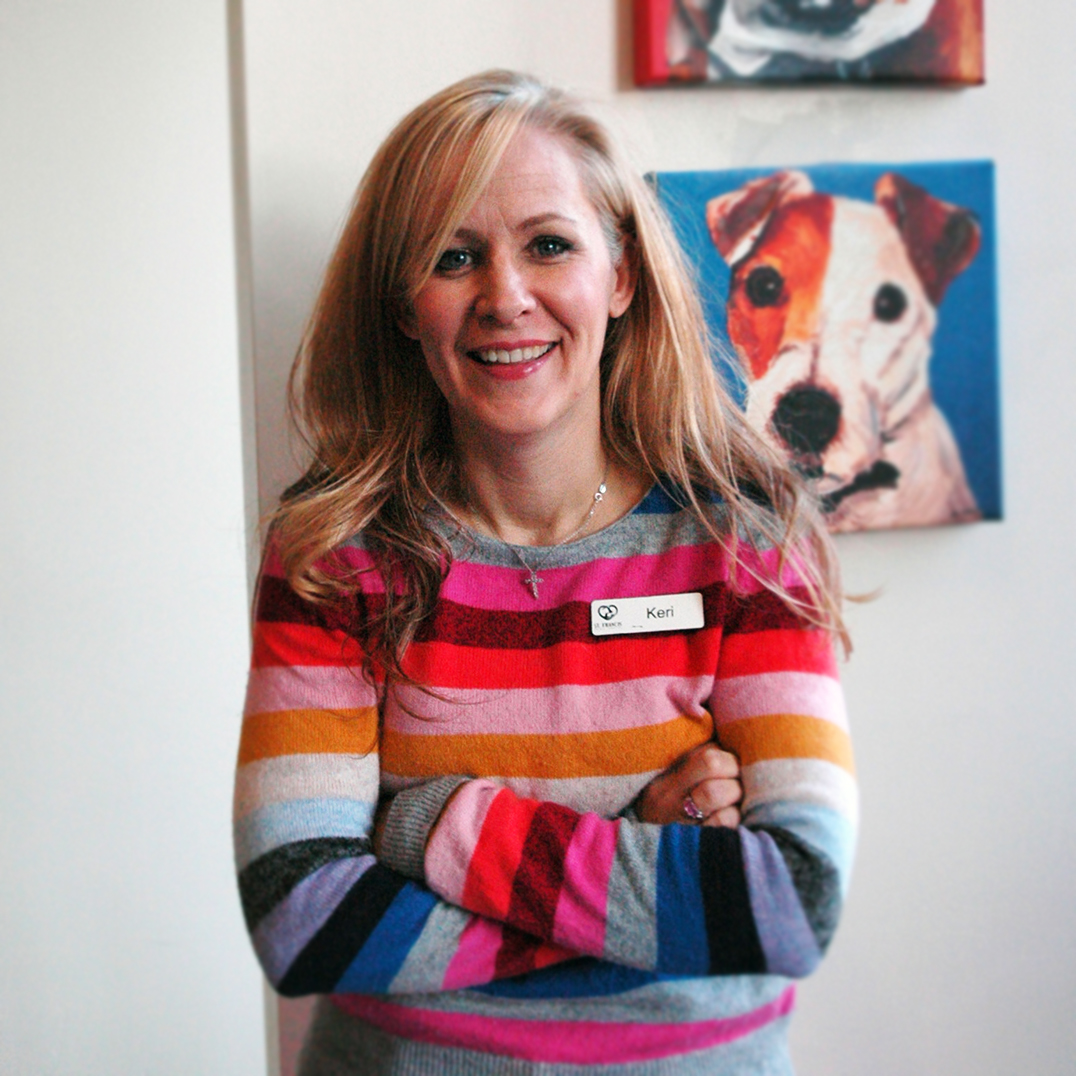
point(324, 914)
point(680, 899)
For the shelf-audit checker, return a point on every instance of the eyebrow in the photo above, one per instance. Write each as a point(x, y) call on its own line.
point(524, 225)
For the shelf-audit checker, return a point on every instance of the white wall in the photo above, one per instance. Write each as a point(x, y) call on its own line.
point(123, 638)
point(958, 952)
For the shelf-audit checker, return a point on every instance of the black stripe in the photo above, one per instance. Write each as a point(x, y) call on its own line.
point(816, 881)
point(735, 948)
point(322, 963)
point(265, 882)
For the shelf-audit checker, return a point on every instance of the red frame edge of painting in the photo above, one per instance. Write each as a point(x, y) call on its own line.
point(795, 41)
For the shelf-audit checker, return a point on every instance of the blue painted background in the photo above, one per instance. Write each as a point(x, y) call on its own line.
point(964, 368)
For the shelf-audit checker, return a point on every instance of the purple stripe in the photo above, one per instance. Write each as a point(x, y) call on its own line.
point(280, 937)
point(783, 930)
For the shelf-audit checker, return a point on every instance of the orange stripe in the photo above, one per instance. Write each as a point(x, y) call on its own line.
point(488, 888)
point(759, 739)
point(578, 754)
point(308, 732)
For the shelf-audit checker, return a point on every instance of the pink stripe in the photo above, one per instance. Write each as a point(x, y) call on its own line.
point(300, 687)
point(579, 922)
point(449, 851)
point(475, 960)
point(806, 694)
point(561, 709)
point(571, 1042)
point(485, 587)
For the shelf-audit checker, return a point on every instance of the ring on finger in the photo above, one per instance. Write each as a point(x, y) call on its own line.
point(692, 809)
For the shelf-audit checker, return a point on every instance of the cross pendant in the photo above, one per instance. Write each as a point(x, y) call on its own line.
point(532, 581)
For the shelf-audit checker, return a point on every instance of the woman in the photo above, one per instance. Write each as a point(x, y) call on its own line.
point(538, 571)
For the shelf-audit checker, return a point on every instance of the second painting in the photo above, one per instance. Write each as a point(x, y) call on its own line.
point(801, 40)
point(854, 312)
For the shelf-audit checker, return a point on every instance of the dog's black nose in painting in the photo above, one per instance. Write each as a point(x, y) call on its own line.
point(806, 419)
point(819, 16)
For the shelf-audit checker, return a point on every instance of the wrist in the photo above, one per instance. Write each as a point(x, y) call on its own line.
point(409, 821)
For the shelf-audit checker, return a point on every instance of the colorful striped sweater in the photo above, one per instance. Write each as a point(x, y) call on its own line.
point(533, 918)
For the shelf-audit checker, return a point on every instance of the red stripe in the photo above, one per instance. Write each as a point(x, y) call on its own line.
point(601, 661)
point(495, 859)
point(777, 651)
point(302, 644)
point(540, 874)
point(517, 955)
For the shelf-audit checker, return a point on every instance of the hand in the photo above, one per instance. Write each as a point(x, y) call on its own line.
point(709, 775)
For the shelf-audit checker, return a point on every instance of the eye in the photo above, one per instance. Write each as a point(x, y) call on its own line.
point(454, 260)
point(764, 286)
point(890, 302)
point(550, 246)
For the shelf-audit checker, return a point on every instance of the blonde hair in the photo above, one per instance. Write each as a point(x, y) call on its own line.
point(377, 426)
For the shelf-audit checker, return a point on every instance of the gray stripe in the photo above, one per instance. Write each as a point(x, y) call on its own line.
point(410, 818)
point(636, 534)
point(669, 1001)
point(427, 962)
point(631, 934)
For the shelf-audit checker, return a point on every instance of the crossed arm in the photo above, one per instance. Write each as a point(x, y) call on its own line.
point(502, 885)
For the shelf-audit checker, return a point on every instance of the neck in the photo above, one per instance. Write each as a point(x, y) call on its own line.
point(530, 494)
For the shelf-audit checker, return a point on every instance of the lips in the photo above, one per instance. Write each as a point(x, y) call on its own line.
point(511, 356)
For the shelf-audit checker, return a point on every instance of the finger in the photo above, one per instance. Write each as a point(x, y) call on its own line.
point(708, 761)
point(716, 793)
point(727, 816)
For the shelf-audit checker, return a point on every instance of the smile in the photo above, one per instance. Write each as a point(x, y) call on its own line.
point(519, 354)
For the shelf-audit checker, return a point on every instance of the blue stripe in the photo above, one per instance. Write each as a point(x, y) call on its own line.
point(682, 941)
point(379, 960)
point(282, 823)
point(586, 978)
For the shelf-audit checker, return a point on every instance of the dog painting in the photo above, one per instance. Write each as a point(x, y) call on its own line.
point(798, 40)
point(830, 288)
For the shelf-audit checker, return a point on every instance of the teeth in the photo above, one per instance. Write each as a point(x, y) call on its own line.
point(520, 354)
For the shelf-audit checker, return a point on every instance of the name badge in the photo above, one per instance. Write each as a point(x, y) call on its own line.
point(662, 612)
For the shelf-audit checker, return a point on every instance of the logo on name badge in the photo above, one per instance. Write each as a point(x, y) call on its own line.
point(661, 612)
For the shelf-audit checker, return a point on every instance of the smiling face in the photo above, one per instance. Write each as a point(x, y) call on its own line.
point(512, 321)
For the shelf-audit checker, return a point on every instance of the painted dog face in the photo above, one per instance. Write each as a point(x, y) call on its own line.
point(831, 310)
point(749, 32)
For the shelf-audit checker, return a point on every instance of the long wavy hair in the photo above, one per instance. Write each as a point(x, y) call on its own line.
point(378, 429)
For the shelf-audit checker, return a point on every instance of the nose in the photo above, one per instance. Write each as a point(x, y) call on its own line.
point(807, 419)
point(504, 292)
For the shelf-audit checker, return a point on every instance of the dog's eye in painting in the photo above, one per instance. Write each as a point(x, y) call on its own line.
point(890, 302)
point(764, 286)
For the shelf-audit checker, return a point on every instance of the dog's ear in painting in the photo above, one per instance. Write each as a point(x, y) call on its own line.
point(942, 239)
point(736, 220)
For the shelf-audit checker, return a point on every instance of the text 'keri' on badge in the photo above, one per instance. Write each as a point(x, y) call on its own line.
point(662, 612)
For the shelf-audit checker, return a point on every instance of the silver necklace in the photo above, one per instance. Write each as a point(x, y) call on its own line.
point(532, 578)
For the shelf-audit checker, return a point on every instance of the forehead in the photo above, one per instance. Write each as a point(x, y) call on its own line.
point(538, 174)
